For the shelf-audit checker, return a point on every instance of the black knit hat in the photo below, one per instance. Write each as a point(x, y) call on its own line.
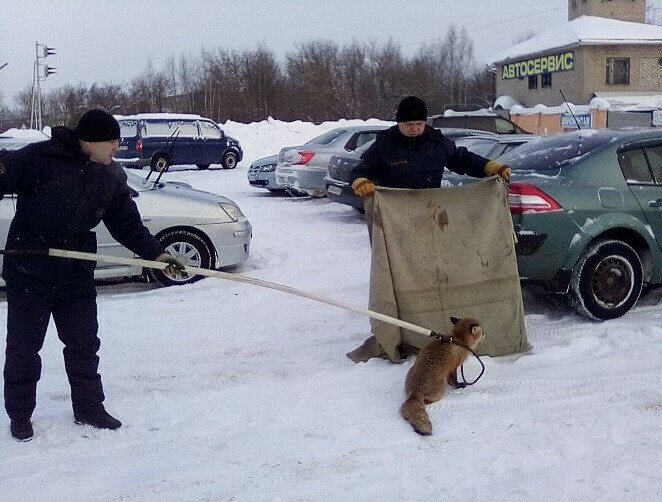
point(97, 125)
point(411, 108)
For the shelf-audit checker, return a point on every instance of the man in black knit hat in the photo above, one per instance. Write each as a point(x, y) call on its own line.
point(65, 187)
point(412, 154)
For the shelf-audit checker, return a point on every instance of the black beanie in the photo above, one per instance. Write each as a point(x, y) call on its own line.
point(97, 125)
point(411, 108)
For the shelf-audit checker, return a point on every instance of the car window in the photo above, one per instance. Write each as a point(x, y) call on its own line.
point(480, 146)
point(364, 137)
point(171, 128)
point(654, 155)
point(503, 126)
point(128, 128)
point(210, 130)
point(551, 153)
point(327, 137)
point(635, 166)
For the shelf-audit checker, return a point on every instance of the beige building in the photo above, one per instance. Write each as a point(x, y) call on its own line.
point(604, 50)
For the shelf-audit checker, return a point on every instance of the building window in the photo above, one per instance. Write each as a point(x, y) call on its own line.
point(533, 81)
point(546, 80)
point(618, 71)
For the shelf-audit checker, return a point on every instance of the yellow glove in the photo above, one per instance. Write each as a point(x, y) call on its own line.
point(174, 267)
point(493, 167)
point(363, 186)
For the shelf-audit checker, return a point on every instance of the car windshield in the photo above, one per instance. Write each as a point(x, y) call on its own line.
point(480, 146)
point(327, 137)
point(551, 153)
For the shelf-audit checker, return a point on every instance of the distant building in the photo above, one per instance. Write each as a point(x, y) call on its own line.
point(604, 50)
point(625, 10)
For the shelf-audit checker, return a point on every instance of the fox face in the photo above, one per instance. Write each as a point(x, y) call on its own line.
point(467, 329)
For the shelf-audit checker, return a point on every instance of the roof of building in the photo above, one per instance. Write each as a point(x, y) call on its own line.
point(584, 30)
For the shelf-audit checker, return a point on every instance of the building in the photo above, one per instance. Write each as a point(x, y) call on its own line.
point(604, 50)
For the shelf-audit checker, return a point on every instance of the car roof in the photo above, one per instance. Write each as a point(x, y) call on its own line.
point(161, 116)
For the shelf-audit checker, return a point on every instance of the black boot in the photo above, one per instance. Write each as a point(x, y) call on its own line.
point(21, 429)
point(100, 420)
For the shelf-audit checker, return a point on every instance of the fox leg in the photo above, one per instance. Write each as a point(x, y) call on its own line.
point(452, 381)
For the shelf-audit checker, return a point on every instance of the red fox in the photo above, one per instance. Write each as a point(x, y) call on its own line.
point(436, 365)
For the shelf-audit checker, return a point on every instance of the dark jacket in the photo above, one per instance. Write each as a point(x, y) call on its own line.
point(397, 161)
point(62, 195)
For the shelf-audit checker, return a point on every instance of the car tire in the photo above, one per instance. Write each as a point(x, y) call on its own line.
point(292, 192)
point(230, 160)
point(202, 166)
point(607, 280)
point(189, 248)
point(160, 161)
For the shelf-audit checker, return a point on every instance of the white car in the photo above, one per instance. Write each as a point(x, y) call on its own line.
point(199, 228)
point(301, 169)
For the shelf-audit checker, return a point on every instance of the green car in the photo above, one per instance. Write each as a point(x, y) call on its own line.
point(587, 211)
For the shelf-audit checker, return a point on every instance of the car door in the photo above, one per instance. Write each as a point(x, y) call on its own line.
point(642, 168)
point(209, 143)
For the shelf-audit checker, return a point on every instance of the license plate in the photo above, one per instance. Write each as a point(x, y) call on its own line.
point(124, 147)
point(252, 176)
point(334, 190)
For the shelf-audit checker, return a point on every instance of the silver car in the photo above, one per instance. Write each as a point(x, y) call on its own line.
point(301, 169)
point(201, 229)
point(262, 173)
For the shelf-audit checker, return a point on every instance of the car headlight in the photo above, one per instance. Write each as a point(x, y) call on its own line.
point(268, 168)
point(231, 210)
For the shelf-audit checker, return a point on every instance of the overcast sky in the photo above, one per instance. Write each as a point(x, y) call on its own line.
point(111, 41)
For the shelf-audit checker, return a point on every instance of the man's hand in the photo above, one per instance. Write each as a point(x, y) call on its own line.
point(493, 167)
point(174, 267)
point(363, 187)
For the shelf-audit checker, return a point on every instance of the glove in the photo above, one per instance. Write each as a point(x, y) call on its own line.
point(363, 186)
point(493, 167)
point(174, 267)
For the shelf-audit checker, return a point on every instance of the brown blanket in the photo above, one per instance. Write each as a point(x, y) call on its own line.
point(438, 253)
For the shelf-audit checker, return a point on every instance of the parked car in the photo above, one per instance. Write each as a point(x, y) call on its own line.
point(201, 229)
point(262, 173)
point(492, 146)
point(13, 139)
point(490, 122)
point(341, 165)
point(159, 140)
point(301, 169)
point(587, 212)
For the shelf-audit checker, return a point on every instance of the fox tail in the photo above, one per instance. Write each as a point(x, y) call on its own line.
point(413, 411)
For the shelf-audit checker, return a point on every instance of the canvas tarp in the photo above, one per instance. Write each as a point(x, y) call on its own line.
point(438, 253)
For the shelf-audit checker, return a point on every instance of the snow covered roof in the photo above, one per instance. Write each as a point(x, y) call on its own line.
point(584, 30)
point(631, 101)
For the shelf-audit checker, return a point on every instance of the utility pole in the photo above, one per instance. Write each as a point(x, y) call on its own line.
point(40, 73)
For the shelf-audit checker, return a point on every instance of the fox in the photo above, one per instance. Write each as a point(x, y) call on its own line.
point(435, 366)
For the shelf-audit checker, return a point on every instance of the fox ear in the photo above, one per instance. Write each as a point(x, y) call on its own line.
point(454, 320)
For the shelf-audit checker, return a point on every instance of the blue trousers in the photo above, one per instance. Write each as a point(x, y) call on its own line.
point(28, 315)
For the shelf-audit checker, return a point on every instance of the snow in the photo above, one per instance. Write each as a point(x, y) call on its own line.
point(585, 30)
point(230, 392)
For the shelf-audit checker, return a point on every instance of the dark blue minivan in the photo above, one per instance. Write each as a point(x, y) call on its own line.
point(159, 140)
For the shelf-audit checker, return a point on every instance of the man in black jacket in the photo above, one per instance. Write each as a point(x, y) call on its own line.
point(65, 186)
point(412, 154)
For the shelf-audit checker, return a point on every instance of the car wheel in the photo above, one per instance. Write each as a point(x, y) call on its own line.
point(317, 194)
point(187, 247)
point(607, 280)
point(229, 160)
point(202, 166)
point(160, 162)
point(296, 193)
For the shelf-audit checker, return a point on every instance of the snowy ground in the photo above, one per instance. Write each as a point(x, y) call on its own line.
point(232, 392)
